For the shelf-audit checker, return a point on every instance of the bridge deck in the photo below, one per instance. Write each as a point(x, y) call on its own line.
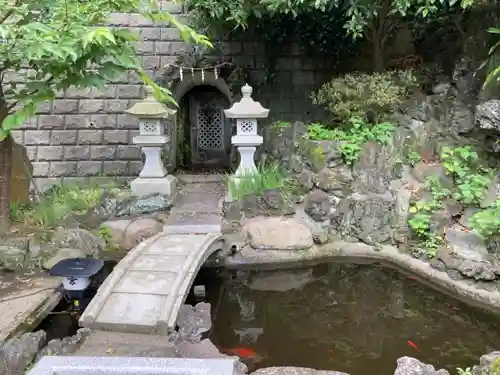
point(146, 289)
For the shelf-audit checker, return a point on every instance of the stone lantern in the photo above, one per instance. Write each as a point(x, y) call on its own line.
point(153, 177)
point(246, 112)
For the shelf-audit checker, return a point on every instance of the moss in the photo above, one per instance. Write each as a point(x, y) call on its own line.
point(495, 367)
point(313, 153)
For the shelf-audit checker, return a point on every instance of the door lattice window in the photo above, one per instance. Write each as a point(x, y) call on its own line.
point(210, 126)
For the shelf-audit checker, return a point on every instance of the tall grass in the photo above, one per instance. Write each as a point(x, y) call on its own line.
point(58, 204)
point(269, 176)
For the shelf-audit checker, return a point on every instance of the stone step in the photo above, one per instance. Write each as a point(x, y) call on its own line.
point(102, 344)
point(193, 222)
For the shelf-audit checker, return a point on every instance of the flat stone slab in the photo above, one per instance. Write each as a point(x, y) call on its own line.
point(147, 287)
point(101, 343)
point(197, 222)
point(27, 304)
point(66, 365)
point(199, 178)
point(198, 202)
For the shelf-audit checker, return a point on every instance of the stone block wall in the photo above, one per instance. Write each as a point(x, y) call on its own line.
point(85, 135)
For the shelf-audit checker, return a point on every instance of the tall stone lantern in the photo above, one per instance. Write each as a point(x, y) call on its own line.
point(153, 177)
point(246, 112)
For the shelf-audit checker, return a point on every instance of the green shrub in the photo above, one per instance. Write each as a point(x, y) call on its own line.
point(353, 136)
point(359, 94)
point(487, 222)
point(267, 177)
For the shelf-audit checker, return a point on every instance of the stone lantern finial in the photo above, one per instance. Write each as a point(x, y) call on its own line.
point(246, 91)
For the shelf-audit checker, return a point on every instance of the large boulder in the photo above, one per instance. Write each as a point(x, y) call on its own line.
point(275, 233)
point(368, 213)
point(488, 116)
point(77, 238)
point(18, 353)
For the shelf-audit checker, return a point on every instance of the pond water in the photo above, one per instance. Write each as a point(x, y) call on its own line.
point(354, 318)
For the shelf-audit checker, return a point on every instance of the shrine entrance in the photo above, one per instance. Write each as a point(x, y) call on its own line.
point(204, 134)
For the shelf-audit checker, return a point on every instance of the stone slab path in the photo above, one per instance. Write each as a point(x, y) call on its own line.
point(197, 209)
point(148, 286)
point(27, 304)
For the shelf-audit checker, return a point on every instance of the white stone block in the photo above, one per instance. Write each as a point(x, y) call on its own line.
point(144, 186)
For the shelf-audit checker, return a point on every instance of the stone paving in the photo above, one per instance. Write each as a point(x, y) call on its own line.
point(197, 209)
point(148, 286)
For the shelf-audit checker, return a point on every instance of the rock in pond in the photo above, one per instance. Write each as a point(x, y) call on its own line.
point(412, 366)
point(288, 370)
point(489, 364)
point(18, 353)
point(276, 233)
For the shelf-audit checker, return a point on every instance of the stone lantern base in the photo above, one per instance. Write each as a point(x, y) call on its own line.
point(144, 186)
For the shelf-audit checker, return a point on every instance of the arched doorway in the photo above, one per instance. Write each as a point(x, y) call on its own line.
point(204, 134)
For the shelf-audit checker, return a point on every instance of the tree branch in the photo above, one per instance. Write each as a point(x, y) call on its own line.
point(9, 12)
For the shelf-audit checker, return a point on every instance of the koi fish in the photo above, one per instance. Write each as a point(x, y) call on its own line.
point(242, 352)
point(452, 307)
point(411, 278)
point(412, 344)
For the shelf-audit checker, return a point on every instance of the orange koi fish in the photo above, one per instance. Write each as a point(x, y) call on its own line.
point(242, 352)
point(412, 344)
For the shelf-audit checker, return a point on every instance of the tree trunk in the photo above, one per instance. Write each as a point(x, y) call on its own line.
point(5, 173)
point(378, 52)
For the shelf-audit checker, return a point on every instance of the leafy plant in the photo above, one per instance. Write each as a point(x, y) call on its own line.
point(472, 178)
point(356, 94)
point(267, 177)
point(466, 371)
point(487, 221)
point(494, 73)
point(280, 124)
point(421, 215)
point(413, 157)
point(105, 233)
point(353, 137)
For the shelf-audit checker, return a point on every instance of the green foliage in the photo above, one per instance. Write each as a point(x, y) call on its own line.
point(471, 181)
point(413, 157)
point(487, 222)
point(57, 44)
point(359, 14)
point(280, 124)
point(422, 212)
point(471, 177)
point(358, 94)
point(61, 202)
point(353, 137)
point(105, 234)
point(466, 371)
point(494, 73)
point(267, 177)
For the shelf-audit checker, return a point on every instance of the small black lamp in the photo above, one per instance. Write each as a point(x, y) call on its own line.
point(76, 273)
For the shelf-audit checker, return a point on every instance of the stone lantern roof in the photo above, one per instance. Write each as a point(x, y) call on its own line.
point(246, 107)
point(149, 107)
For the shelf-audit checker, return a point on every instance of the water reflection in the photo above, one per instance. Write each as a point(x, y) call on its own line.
point(351, 318)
